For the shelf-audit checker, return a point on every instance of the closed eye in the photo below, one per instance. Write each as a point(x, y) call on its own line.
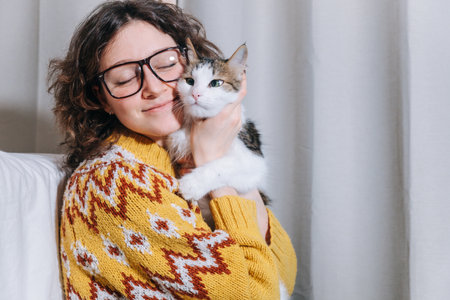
point(216, 83)
point(166, 66)
point(124, 82)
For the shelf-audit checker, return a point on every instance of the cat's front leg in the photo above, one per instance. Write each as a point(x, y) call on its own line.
point(206, 178)
point(192, 186)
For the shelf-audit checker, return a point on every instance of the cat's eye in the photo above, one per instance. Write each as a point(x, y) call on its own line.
point(190, 81)
point(216, 83)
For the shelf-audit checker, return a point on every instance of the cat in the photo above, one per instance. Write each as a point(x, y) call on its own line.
point(205, 87)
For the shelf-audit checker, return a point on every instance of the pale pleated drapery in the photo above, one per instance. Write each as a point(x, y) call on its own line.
point(353, 101)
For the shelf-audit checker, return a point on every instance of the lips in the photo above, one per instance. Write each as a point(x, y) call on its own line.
point(158, 107)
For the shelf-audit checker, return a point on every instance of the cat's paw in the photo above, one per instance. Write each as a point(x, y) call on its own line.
point(189, 188)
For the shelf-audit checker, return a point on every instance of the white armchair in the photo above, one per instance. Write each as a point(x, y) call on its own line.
point(30, 200)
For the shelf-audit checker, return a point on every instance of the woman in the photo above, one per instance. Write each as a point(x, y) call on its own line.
point(125, 233)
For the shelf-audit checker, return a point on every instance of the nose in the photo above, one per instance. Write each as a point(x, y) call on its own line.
point(152, 87)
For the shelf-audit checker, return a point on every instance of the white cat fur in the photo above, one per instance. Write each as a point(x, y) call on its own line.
point(239, 168)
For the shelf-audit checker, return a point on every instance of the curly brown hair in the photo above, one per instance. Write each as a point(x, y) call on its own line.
point(78, 111)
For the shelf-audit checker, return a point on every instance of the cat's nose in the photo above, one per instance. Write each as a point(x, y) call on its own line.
point(196, 96)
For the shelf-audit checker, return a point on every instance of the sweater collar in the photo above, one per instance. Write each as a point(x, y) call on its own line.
point(144, 149)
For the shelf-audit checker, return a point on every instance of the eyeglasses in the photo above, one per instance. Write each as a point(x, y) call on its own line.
point(126, 79)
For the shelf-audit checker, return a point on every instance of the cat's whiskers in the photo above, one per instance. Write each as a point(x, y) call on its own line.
point(178, 106)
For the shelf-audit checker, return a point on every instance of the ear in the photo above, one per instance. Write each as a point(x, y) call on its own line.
point(239, 58)
point(191, 54)
point(106, 107)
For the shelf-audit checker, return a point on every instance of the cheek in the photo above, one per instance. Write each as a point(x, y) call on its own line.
point(124, 108)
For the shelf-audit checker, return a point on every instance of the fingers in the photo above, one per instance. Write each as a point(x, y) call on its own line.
point(233, 111)
point(263, 221)
point(241, 94)
point(243, 90)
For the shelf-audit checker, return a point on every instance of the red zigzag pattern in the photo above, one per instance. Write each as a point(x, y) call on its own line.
point(103, 186)
point(185, 269)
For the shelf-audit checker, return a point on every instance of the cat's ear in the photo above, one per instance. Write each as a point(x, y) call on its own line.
point(191, 53)
point(239, 58)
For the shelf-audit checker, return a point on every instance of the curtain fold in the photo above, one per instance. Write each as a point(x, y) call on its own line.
point(359, 245)
point(352, 99)
point(57, 22)
point(18, 67)
point(428, 189)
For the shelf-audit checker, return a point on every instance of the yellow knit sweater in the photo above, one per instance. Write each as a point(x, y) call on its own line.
point(126, 234)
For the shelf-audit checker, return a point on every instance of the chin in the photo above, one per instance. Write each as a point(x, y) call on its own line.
point(161, 128)
point(173, 126)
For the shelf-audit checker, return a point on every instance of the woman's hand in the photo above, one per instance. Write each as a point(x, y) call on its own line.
point(261, 211)
point(211, 138)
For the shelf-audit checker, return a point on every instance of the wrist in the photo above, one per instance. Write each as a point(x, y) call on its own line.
point(199, 160)
point(223, 191)
point(203, 158)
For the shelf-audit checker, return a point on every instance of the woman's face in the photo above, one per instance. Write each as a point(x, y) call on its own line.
point(150, 111)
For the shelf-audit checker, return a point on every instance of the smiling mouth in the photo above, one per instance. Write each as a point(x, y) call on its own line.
point(158, 107)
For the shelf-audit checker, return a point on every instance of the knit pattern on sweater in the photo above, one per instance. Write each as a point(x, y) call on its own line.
point(126, 234)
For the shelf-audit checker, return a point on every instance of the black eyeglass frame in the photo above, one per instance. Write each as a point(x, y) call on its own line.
point(146, 61)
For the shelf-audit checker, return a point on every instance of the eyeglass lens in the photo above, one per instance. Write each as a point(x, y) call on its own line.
point(125, 80)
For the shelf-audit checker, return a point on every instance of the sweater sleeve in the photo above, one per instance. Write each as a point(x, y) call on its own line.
point(283, 251)
point(126, 233)
point(237, 216)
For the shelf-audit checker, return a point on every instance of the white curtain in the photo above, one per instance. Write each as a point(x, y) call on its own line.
point(353, 101)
